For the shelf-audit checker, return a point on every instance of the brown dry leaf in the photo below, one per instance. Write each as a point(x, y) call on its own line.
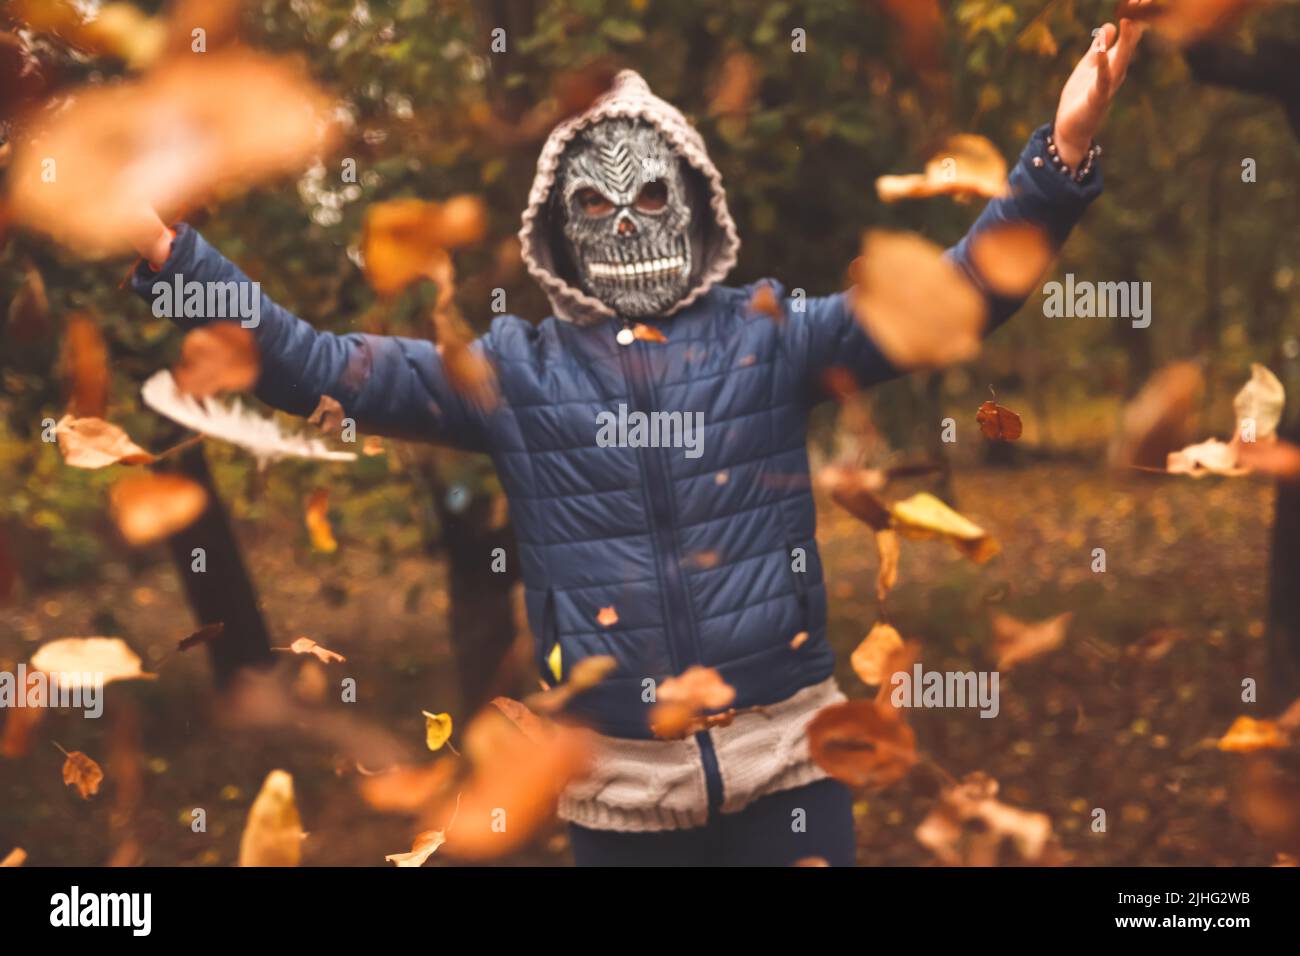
point(683, 702)
point(273, 834)
point(736, 86)
point(998, 423)
point(94, 443)
point(148, 508)
point(607, 617)
point(1210, 457)
point(648, 333)
point(854, 490)
point(862, 743)
point(514, 787)
point(83, 773)
point(217, 358)
point(1016, 641)
point(406, 240)
point(925, 516)
point(85, 357)
point(1012, 258)
point(108, 659)
point(1246, 735)
point(887, 576)
point(204, 635)
point(799, 640)
point(328, 416)
point(1156, 421)
point(426, 843)
point(317, 518)
point(871, 659)
point(764, 302)
point(372, 446)
point(944, 832)
point(305, 645)
point(409, 789)
point(15, 857)
point(967, 165)
point(914, 303)
point(190, 129)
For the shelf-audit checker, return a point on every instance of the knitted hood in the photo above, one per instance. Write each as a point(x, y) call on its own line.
point(541, 237)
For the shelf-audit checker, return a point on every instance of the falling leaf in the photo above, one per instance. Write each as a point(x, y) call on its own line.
point(998, 423)
point(1155, 422)
point(607, 617)
point(217, 358)
point(872, 657)
point(967, 165)
point(318, 522)
point(1210, 457)
point(584, 675)
point(854, 490)
point(528, 723)
point(437, 729)
point(1016, 641)
point(683, 700)
point(305, 645)
point(799, 640)
point(914, 303)
point(862, 743)
point(148, 508)
point(94, 443)
point(406, 240)
point(887, 576)
point(273, 834)
point(83, 773)
point(426, 843)
point(973, 801)
point(108, 659)
point(328, 416)
point(1247, 735)
point(925, 516)
point(408, 789)
point(648, 333)
point(736, 86)
point(204, 635)
point(86, 361)
point(1260, 401)
point(191, 128)
point(515, 779)
point(764, 302)
point(1012, 257)
point(555, 662)
point(16, 857)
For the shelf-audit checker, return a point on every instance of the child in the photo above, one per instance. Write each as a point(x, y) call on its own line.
point(693, 546)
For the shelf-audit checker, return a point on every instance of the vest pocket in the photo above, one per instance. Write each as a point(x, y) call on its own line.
point(799, 579)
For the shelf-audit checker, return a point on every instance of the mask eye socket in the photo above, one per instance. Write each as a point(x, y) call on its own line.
point(653, 197)
point(592, 203)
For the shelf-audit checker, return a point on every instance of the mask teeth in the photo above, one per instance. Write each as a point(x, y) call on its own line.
point(637, 269)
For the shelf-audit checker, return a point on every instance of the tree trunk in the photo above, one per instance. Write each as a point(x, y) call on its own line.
point(222, 592)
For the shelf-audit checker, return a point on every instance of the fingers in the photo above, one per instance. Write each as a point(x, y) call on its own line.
point(1101, 60)
point(1130, 32)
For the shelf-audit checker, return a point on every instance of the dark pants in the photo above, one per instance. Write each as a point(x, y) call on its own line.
point(769, 832)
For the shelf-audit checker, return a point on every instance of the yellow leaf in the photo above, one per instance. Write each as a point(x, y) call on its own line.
point(273, 834)
point(318, 522)
point(1248, 734)
point(887, 576)
point(553, 662)
point(437, 730)
point(925, 516)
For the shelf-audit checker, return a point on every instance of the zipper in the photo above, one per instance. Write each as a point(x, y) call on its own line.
point(679, 624)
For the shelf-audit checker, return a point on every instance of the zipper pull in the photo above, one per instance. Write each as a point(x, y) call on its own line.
point(625, 335)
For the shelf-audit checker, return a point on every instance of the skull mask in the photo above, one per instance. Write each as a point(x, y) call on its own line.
point(626, 217)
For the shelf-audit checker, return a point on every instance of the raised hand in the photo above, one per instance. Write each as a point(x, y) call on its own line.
point(1092, 86)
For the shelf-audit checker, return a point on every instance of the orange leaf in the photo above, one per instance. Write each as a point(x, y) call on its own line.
point(148, 508)
point(862, 743)
point(217, 358)
point(1016, 641)
point(1247, 735)
point(870, 659)
point(83, 773)
point(998, 423)
point(94, 443)
point(318, 522)
point(305, 645)
point(607, 617)
point(648, 333)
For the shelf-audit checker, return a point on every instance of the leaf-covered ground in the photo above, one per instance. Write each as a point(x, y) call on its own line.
point(1118, 718)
